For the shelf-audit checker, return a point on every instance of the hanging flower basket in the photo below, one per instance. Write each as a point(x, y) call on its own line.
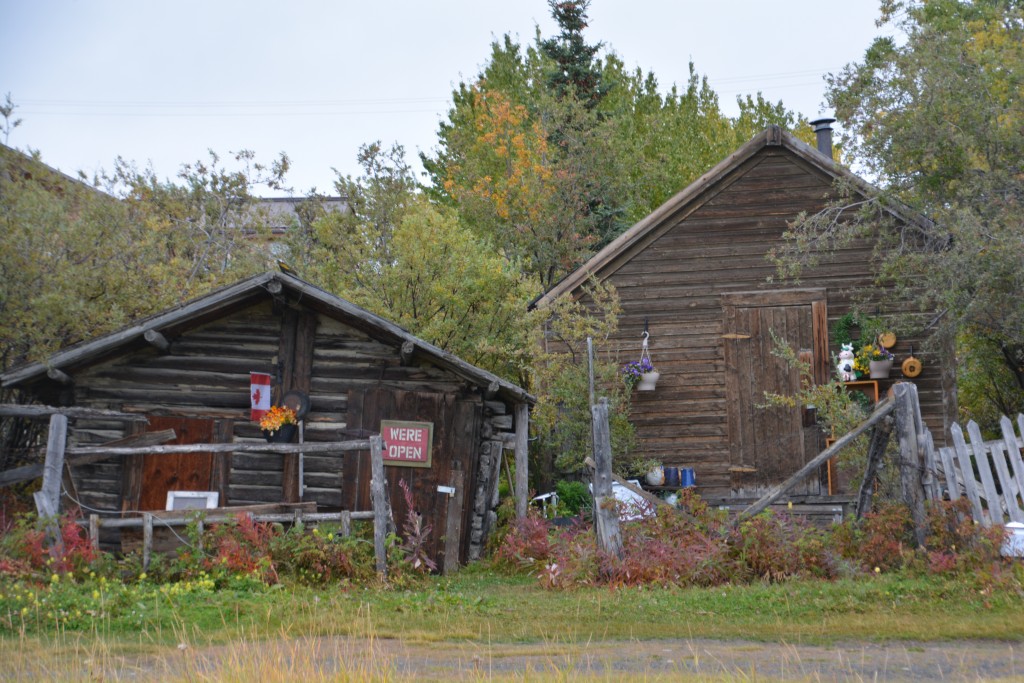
point(641, 373)
point(648, 380)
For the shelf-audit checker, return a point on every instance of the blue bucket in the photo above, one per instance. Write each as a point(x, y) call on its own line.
point(671, 476)
point(686, 477)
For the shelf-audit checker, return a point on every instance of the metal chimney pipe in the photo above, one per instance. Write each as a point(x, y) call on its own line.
point(823, 131)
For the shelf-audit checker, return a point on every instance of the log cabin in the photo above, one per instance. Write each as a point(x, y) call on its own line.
point(694, 275)
point(189, 369)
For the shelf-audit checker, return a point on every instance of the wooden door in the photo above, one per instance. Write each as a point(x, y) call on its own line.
point(159, 474)
point(768, 443)
point(456, 440)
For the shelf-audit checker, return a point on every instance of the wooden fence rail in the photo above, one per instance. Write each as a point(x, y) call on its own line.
point(149, 520)
point(999, 495)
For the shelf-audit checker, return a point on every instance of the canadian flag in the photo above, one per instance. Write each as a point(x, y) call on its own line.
point(259, 391)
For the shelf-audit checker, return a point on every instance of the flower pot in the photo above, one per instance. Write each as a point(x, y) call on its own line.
point(656, 477)
point(880, 368)
point(647, 381)
point(282, 435)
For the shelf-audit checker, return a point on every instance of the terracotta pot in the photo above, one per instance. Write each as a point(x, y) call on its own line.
point(282, 435)
point(880, 368)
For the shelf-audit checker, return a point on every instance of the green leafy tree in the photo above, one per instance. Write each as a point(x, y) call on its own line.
point(552, 151)
point(415, 263)
point(937, 119)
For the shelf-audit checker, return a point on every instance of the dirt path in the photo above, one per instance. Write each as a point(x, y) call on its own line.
point(742, 660)
point(376, 659)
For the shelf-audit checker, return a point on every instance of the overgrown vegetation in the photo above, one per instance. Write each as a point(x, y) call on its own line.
point(700, 546)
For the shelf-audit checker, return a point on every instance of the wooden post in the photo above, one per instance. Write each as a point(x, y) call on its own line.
point(879, 441)
point(911, 465)
point(379, 498)
point(48, 497)
point(606, 514)
point(94, 531)
point(147, 539)
point(346, 523)
point(522, 417)
point(453, 523)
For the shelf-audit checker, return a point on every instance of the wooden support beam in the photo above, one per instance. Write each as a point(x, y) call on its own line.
point(253, 447)
point(60, 377)
point(911, 464)
point(879, 442)
point(884, 408)
point(606, 514)
point(48, 496)
point(522, 412)
point(381, 505)
point(34, 411)
point(158, 340)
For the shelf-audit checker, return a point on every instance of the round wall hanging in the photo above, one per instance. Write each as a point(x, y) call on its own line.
point(887, 339)
point(911, 367)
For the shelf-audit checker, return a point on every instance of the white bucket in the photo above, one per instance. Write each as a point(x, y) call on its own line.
point(1014, 544)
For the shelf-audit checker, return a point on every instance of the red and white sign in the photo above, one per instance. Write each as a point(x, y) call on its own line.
point(259, 392)
point(407, 443)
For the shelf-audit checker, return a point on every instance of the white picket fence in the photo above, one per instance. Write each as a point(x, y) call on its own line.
point(990, 474)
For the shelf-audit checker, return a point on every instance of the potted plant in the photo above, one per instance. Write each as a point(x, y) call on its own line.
point(877, 359)
point(279, 424)
point(640, 374)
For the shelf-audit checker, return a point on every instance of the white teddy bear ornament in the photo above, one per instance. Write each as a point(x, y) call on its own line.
point(845, 365)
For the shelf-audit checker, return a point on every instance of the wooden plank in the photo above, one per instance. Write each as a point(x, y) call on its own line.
point(1013, 446)
point(966, 474)
point(949, 470)
point(1006, 484)
point(326, 447)
point(988, 482)
point(453, 523)
point(34, 411)
point(27, 472)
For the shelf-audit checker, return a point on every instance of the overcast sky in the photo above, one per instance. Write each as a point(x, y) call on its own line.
point(161, 82)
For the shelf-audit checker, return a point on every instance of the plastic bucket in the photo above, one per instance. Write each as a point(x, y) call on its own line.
point(671, 476)
point(687, 477)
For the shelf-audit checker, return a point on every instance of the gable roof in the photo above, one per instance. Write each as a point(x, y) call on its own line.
point(612, 256)
point(218, 303)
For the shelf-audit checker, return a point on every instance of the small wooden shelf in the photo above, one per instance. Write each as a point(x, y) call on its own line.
point(868, 387)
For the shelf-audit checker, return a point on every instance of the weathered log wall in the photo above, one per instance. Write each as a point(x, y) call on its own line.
point(204, 373)
point(673, 282)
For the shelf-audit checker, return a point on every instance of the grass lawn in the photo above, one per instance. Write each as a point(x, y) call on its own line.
point(482, 607)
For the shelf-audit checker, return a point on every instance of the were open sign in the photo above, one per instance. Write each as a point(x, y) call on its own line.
point(407, 443)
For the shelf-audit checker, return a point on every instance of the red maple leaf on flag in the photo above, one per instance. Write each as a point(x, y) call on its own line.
point(256, 397)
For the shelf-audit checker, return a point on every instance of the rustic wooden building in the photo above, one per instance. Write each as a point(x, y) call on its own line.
point(694, 273)
point(188, 368)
